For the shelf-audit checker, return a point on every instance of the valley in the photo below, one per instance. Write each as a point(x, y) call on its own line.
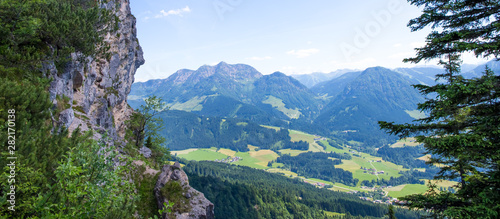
point(229, 124)
point(363, 166)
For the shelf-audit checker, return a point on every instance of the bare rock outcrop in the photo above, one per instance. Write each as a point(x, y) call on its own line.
point(93, 92)
point(173, 186)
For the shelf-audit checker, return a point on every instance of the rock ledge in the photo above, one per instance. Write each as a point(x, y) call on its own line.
point(173, 186)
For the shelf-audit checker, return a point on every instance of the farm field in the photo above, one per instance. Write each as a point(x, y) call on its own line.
point(200, 154)
point(407, 189)
point(405, 142)
point(259, 159)
point(255, 159)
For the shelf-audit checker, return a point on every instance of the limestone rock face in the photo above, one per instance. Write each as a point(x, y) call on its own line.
point(91, 94)
point(97, 88)
point(145, 151)
point(173, 182)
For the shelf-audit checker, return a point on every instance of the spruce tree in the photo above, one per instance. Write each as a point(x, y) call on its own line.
point(391, 214)
point(462, 128)
point(458, 26)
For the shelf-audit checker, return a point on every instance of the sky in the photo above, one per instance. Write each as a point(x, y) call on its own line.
point(290, 36)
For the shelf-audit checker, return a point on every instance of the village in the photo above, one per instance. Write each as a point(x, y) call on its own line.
point(372, 171)
point(229, 159)
point(372, 194)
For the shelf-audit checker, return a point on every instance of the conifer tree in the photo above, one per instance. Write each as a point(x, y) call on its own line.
point(462, 128)
point(458, 26)
point(33, 33)
point(391, 214)
point(55, 175)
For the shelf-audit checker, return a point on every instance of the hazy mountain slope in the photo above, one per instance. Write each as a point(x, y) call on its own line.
point(310, 80)
point(479, 70)
point(421, 75)
point(376, 94)
point(427, 75)
point(331, 88)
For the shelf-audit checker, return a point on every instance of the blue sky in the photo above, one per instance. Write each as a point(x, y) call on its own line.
point(292, 36)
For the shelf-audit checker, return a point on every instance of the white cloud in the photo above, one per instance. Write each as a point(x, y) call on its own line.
point(255, 58)
point(178, 12)
point(396, 45)
point(302, 53)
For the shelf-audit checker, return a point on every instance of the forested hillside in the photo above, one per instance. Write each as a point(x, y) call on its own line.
point(376, 94)
point(187, 130)
point(347, 106)
point(243, 192)
point(233, 91)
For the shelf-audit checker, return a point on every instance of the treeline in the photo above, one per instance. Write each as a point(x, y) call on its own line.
point(405, 156)
point(407, 177)
point(244, 192)
point(319, 165)
point(187, 130)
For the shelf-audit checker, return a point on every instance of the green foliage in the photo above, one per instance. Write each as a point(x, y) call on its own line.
point(462, 129)
point(243, 192)
point(174, 192)
point(319, 165)
point(405, 156)
point(375, 94)
point(33, 33)
point(187, 130)
point(391, 213)
point(459, 26)
point(56, 176)
point(144, 124)
point(167, 208)
point(462, 133)
point(87, 184)
point(144, 184)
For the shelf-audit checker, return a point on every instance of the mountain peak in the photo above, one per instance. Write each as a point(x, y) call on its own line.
point(222, 63)
point(376, 69)
point(278, 74)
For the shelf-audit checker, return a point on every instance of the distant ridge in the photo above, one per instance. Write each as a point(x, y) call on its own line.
point(312, 79)
point(375, 94)
point(353, 101)
point(232, 90)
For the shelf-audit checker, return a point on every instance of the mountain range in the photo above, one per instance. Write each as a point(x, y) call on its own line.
point(236, 91)
point(348, 105)
point(422, 74)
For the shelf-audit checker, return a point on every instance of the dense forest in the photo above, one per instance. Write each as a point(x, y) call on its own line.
point(405, 156)
point(187, 130)
point(319, 165)
point(244, 192)
point(51, 173)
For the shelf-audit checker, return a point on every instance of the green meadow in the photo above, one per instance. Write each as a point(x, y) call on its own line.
point(259, 159)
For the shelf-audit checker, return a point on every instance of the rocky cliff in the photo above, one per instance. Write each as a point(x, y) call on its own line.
point(173, 187)
point(93, 92)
